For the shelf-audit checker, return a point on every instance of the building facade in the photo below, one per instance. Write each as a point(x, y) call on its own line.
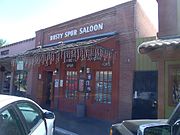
point(165, 51)
point(86, 65)
point(10, 78)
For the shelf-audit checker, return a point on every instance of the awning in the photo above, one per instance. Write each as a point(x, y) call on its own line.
point(68, 52)
point(159, 43)
point(6, 62)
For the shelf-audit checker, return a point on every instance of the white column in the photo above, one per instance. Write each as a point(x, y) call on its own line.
point(11, 83)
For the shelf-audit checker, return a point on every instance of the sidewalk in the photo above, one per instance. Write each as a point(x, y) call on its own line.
point(81, 126)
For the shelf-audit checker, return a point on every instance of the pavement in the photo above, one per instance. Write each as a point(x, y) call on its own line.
point(70, 124)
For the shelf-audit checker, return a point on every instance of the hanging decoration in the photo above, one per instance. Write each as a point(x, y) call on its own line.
point(67, 53)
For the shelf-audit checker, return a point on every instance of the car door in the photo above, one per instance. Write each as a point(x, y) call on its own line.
point(10, 123)
point(33, 118)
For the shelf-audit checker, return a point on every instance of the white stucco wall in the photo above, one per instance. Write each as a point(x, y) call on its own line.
point(18, 47)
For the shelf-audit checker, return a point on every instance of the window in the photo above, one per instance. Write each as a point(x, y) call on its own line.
point(71, 84)
point(31, 113)
point(103, 87)
point(9, 123)
point(174, 89)
point(20, 80)
point(5, 52)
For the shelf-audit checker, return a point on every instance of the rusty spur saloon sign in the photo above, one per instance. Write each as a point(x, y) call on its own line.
point(67, 54)
point(76, 32)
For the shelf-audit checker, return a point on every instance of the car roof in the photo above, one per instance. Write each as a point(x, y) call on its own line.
point(8, 99)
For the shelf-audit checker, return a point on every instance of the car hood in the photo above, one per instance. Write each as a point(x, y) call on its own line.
point(131, 126)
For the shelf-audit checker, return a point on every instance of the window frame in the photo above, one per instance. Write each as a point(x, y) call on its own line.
point(12, 107)
point(20, 79)
point(75, 97)
point(171, 69)
point(103, 81)
point(20, 114)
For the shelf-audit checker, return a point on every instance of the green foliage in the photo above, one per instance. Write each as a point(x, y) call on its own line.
point(2, 42)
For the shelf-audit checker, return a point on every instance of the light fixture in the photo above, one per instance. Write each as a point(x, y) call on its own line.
point(55, 71)
point(82, 70)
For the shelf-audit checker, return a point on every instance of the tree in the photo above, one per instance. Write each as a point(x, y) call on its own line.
point(2, 42)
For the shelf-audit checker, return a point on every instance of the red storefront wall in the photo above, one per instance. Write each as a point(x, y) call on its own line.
point(93, 109)
point(128, 21)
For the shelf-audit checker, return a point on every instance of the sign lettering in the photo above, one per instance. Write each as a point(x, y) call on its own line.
point(20, 65)
point(80, 31)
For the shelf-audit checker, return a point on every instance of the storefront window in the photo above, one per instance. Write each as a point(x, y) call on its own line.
point(103, 87)
point(71, 85)
point(175, 86)
point(20, 81)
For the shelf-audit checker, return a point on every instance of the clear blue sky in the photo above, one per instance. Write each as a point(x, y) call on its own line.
point(19, 19)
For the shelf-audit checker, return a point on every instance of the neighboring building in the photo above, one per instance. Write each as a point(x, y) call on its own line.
point(88, 63)
point(166, 52)
point(9, 79)
point(145, 83)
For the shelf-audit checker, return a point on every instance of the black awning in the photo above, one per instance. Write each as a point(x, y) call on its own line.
point(65, 46)
point(6, 62)
point(69, 52)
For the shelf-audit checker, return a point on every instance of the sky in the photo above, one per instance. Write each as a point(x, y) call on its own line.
point(19, 19)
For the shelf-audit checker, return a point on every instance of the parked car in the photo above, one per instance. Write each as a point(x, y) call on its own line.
point(169, 126)
point(22, 116)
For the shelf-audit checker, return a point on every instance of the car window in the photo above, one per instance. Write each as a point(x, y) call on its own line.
point(9, 123)
point(32, 114)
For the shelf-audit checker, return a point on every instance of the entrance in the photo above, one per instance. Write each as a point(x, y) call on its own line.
point(6, 82)
point(48, 93)
point(70, 91)
point(145, 94)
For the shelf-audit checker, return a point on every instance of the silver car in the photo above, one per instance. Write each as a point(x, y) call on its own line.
point(22, 116)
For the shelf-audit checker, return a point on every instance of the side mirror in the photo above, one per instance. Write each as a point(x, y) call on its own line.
point(154, 129)
point(49, 115)
point(176, 128)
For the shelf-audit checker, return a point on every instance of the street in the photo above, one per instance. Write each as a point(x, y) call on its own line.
point(60, 131)
point(70, 124)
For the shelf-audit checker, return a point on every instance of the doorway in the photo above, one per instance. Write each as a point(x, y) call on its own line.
point(145, 94)
point(48, 93)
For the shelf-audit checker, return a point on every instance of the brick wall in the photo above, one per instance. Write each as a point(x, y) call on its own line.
point(124, 19)
point(168, 23)
point(144, 27)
